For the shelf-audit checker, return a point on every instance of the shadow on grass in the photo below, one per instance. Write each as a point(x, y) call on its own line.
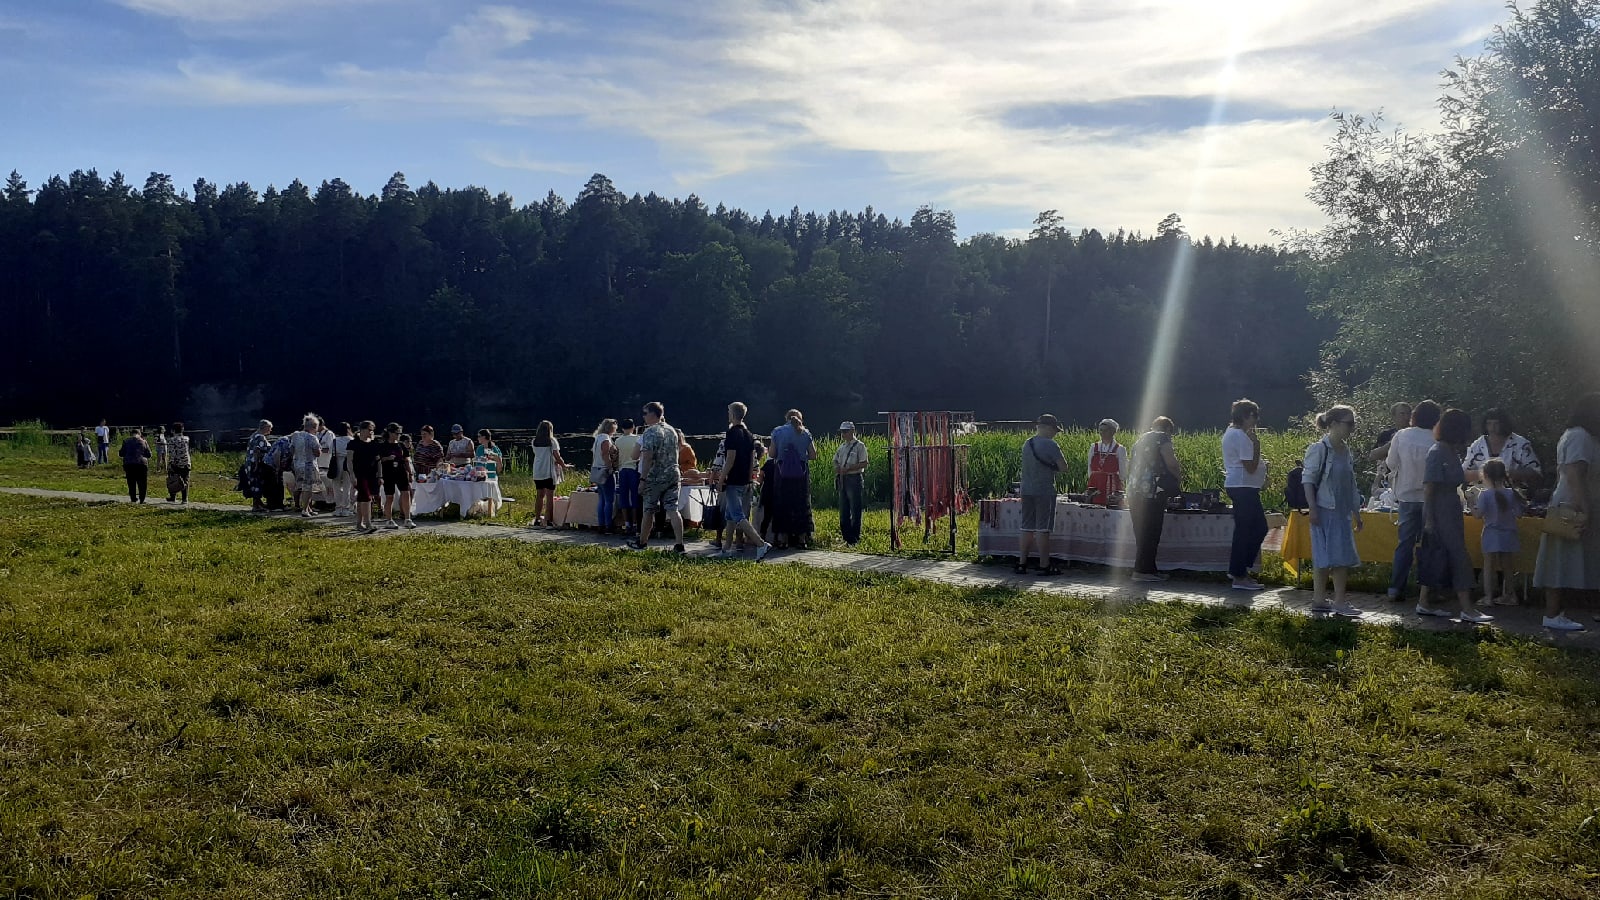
point(1315, 643)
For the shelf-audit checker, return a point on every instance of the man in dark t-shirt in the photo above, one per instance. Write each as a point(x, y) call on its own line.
point(739, 450)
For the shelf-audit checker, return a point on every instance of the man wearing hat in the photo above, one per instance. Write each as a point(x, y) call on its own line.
point(459, 453)
point(849, 466)
point(1041, 462)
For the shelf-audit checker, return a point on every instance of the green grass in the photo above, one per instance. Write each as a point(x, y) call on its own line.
point(201, 704)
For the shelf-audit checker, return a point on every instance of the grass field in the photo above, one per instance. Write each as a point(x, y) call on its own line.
point(203, 704)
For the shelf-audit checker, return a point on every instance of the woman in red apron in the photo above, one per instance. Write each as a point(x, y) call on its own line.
point(1108, 461)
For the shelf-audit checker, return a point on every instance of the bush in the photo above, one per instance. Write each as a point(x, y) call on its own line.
point(29, 434)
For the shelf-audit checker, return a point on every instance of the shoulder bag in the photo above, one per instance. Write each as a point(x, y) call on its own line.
point(1563, 522)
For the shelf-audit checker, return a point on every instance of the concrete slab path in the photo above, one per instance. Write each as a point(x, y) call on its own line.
point(1096, 583)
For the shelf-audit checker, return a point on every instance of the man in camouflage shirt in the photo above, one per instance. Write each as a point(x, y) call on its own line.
point(659, 475)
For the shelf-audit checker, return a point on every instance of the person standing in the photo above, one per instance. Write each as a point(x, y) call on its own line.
point(430, 453)
point(159, 444)
point(395, 468)
point(849, 472)
point(1042, 460)
point(794, 448)
point(487, 454)
point(135, 455)
point(325, 440)
point(1498, 506)
point(1154, 474)
point(627, 446)
point(256, 470)
point(339, 472)
point(1447, 566)
point(102, 439)
point(1335, 501)
point(1406, 461)
point(659, 476)
point(179, 464)
point(365, 456)
point(84, 450)
point(1501, 441)
point(1108, 464)
point(305, 446)
point(1244, 475)
point(459, 453)
point(1399, 420)
point(547, 465)
point(602, 474)
point(1566, 565)
point(735, 475)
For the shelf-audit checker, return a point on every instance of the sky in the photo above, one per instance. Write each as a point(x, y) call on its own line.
point(1113, 113)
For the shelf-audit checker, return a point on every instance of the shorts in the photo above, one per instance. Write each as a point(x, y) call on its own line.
point(661, 496)
point(366, 488)
point(396, 484)
point(1038, 513)
point(736, 503)
point(545, 484)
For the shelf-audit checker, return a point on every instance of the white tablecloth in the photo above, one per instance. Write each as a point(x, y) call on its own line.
point(1094, 534)
point(432, 496)
point(583, 507)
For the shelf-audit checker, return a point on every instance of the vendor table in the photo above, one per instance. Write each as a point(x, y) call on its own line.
point(1380, 535)
point(1095, 534)
point(432, 496)
point(583, 507)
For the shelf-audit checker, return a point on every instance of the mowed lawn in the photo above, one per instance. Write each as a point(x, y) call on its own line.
point(201, 704)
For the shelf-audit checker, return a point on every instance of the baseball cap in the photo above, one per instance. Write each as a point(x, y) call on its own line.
point(456, 429)
point(847, 426)
point(1048, 419)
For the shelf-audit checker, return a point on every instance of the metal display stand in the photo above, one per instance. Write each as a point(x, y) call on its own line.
point(929, 470)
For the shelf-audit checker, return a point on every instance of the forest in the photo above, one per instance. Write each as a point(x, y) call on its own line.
point(149, 302)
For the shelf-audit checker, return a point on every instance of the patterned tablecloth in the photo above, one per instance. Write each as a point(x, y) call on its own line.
point(432, 496)
point(1095, 534)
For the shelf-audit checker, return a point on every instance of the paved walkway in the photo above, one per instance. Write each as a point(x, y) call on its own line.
point(1097, 583)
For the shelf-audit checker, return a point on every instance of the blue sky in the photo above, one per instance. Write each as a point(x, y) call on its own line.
point(1114, 113)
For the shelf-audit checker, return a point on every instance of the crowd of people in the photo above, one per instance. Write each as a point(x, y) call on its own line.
point(637, 474)
point(1431, 471)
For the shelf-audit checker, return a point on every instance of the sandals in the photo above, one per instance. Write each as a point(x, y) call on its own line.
point(1049, 571)
point(1021, 569)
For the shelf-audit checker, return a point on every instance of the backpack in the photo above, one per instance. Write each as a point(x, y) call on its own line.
point(278, 457)
point(791, 464)
point(1294, 492)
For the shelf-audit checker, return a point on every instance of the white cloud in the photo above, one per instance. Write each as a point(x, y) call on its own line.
point(924, 87)
point(215, 12)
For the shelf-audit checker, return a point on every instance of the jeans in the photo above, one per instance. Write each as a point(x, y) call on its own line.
point(105, 448)
point(1249, 530)
point(736, 503)
point(1406, 550)
point(607, 489)
point(628, 488)
point(138, 476)
point(850, 507)
point(1149, 515)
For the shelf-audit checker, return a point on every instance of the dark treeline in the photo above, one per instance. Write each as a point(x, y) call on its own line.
point(130, 302)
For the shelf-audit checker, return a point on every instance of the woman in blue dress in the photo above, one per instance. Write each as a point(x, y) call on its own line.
point(1330, 483)
point(1443, 564)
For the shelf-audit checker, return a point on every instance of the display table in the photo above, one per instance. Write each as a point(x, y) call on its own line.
point(583, 507)
point(1199, 542)
point(1380, 535)
point(432, 496)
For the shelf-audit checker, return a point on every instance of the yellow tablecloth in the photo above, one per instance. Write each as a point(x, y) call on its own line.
point(1380, 534)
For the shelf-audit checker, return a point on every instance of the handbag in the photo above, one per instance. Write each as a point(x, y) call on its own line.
point(711, 516)
point(1563, 522)
point(176, 483)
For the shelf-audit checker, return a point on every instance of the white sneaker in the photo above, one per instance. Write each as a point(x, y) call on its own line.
point(1430, 611)
point(1562, 623)
point(1248, 584)
point(393, 525)
point(1346, 610)
point(1474, 617)
point(761, 552)
point(410, 524)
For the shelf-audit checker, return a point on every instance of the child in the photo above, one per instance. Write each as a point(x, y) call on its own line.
point(1498, 507)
